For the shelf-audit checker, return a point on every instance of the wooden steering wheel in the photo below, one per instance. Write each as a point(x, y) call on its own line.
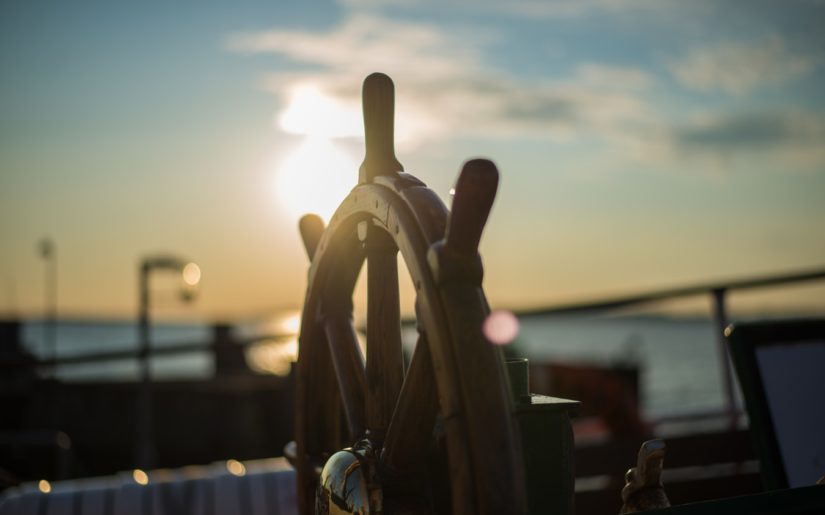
point(437, 436)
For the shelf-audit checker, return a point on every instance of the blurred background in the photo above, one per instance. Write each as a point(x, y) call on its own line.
point(643, 146)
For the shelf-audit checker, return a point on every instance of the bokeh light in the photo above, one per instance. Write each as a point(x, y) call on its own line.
point(235, 467)
point(191, 274)
point(140, 477)
point(501, 327)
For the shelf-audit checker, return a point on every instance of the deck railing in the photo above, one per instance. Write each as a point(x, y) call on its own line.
point(718, 293)
point(716, 290)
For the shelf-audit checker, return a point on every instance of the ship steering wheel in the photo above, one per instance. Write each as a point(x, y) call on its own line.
point(436, 436)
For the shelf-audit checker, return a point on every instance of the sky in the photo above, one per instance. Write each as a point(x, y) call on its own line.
point(641, 144)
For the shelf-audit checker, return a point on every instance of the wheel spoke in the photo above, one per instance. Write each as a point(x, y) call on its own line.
point(326, 410)
point(348, 363)
point(319, 414)
point(411, 430)
point(385, 364)
point(311, 228)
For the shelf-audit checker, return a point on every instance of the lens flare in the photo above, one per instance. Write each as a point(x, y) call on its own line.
point(501, 327)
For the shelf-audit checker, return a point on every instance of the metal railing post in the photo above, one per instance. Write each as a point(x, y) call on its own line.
point(720, 319)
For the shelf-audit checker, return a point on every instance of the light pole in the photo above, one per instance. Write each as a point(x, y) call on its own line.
point(190, 274)
point(49, 255)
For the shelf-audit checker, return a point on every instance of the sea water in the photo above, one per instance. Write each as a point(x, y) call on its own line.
point(679, 358)
point(88, 337)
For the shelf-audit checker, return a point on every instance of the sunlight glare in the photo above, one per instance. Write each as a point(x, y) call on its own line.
point(291, 324)
point(313, 113)
point(284, 323)
point(315, 178)
point(272, 356)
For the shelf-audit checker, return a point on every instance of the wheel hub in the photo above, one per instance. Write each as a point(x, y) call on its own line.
point(348, 482)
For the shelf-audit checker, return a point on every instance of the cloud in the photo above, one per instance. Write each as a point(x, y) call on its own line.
point(750, 131)
point(739, 68)
point(363, 42)
point(578, 8)
point(523, 8)
point(613, 77)
point(787, 141)
point(445, 86)
point(446, 89)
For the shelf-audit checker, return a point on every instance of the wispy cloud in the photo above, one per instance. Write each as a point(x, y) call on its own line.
point(579, 8)
point(525, 8)
point(447, 87)
point(364, 43)
point(613, 77)
point(741, 67)
point(786, 141)
point(753, 130)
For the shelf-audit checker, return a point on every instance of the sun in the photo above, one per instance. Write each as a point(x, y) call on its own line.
point(315, 178)
point(313, 112)
point(317, 175)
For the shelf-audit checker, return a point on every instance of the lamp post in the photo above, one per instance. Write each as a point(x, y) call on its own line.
point(190, 274)
point(49, 255)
